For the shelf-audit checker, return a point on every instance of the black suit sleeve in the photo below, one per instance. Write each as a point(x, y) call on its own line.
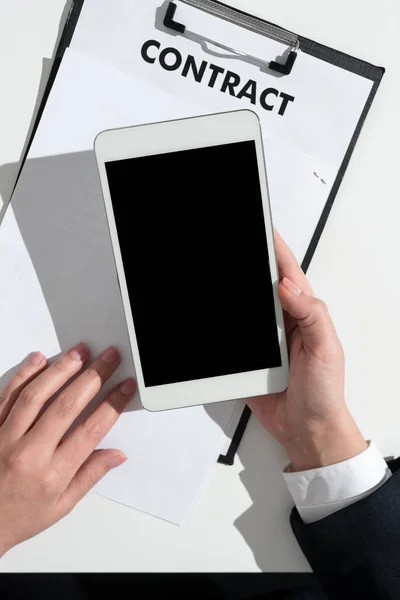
point(356, 551)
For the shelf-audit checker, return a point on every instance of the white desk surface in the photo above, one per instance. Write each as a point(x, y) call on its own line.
point(242, 523)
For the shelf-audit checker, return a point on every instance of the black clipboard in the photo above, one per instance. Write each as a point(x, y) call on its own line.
point(283, 67)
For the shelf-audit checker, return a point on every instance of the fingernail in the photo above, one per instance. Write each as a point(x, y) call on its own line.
point(80, 352)
point(116, 461)
point(110, 356)
point(291, 287)
point(36, 358)
point(128, 387)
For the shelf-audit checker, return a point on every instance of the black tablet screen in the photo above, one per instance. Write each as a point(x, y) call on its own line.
point(193, 241)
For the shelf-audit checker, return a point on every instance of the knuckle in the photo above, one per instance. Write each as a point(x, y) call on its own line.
point(317, 313)
point(20, 377)
point(27, 396)
point(321, 307)
point(92, 477)
point(18, 461)
point(92, 377)
point(94, 430)
point(65, 403)
point(50, 483)
point(61, 365)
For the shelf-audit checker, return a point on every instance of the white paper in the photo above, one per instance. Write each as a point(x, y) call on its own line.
point(328, 100)
point(57, 222)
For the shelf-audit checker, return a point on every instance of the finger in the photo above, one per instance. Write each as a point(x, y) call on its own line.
point(289, 267)
point(290, 325)
point(33, 396)
point(311, 316)
point(68, 405)
point(91, 472)
point(25, 374)
point(76, 448)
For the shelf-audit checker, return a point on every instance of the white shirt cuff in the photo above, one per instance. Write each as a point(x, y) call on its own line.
point(321, 492)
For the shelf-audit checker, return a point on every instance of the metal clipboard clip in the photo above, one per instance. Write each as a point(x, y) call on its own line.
point(236, 17)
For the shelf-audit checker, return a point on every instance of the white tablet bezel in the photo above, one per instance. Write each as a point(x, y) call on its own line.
point(172, 136)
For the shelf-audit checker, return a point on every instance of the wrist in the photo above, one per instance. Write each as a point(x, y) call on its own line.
point(326, 444)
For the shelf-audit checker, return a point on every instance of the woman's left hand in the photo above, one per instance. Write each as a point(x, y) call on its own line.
point(42, 473)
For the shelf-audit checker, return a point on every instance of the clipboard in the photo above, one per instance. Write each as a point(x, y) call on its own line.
point(282, 66)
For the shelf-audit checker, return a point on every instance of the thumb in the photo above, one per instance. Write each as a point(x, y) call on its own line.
point(310, 314)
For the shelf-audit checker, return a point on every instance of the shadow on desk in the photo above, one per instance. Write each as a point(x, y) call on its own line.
point(58, 208)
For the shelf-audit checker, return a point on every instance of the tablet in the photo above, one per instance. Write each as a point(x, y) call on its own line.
point(190, 223)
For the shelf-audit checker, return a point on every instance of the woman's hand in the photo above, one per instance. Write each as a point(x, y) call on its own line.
point(41, 477)
point(310, 419)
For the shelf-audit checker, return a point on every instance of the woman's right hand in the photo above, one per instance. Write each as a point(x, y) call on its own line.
point(310, 419)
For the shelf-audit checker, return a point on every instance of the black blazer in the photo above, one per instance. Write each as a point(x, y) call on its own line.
point(355, 552)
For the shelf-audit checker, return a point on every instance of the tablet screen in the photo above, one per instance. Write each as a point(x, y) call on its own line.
point(193, 242)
